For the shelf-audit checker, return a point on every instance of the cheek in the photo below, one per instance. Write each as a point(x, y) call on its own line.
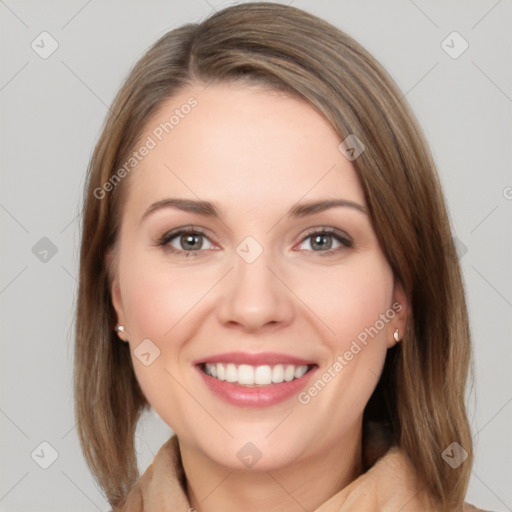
point(352, 305)
point(158, 302)
point(156, 296)
point(349, 298)
point(365, 300)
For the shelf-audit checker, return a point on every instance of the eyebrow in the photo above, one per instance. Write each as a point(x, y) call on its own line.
point(209, 209)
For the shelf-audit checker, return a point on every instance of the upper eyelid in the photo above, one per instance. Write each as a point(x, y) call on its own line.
point(326, 229)
point(172, 234)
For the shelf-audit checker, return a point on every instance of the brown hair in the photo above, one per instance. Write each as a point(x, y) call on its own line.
point(423, 383)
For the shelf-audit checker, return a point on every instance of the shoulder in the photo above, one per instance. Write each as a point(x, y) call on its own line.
point(161, 487)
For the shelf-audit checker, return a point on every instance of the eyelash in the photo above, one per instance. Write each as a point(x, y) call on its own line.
point(168, 237)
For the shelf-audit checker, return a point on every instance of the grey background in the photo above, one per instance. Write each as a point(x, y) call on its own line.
point(51, 113)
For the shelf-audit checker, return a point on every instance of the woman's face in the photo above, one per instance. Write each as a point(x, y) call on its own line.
point(231, 283)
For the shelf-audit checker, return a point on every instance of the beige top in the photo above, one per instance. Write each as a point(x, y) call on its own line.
point(388, 486)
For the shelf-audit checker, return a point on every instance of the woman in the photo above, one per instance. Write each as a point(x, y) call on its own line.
point(267, 262)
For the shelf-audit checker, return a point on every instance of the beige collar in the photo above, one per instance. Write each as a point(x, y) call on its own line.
point(388, 486)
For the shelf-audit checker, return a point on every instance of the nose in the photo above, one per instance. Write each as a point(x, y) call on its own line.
point(254, 296)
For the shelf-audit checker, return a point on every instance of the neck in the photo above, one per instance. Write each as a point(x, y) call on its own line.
point(302, 485)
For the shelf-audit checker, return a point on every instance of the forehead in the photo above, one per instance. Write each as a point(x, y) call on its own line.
point(238, 144)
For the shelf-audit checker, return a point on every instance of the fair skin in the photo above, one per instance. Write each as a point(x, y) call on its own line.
point(255, 154)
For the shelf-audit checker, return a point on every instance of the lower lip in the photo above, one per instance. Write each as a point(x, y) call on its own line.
point(264, 396)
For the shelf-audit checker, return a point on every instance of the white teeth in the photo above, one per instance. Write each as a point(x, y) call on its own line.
point(289, 373)
point(221, 372)
point(300, 371)
point(211, 369)
point(278, 374)
point(263, 375)
point(246, 375)
point(231, 373)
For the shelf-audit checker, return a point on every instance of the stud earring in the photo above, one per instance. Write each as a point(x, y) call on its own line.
point(119, 329)
point(395, 336)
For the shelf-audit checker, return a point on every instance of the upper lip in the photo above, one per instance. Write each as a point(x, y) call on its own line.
point(262, 358)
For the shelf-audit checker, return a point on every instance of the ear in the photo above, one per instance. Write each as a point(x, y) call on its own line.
point(401, 308)
point(115, 294)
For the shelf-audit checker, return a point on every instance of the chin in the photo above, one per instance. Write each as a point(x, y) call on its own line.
point(253, 453)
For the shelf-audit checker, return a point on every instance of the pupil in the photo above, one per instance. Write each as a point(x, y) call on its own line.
point(320, 241)
point(190, 242)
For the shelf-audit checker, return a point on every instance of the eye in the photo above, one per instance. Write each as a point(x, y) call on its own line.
point(325, 241)
point(191, 241)
point(186, 241)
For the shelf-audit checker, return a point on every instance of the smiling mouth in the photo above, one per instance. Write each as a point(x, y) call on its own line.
point(255, 376)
